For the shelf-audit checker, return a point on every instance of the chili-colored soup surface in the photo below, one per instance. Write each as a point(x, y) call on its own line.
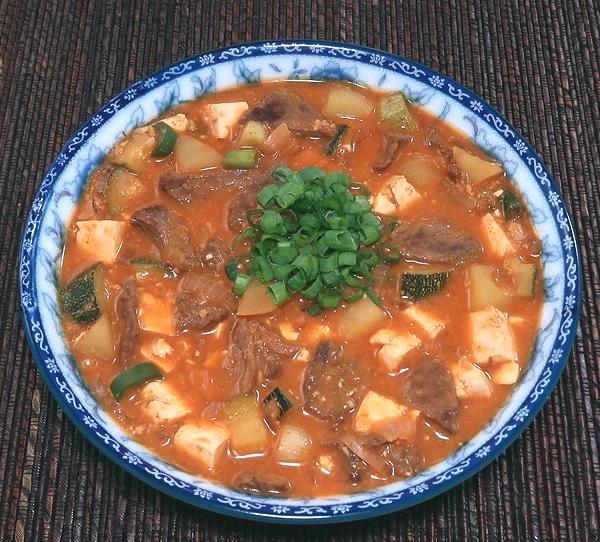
point(376, 393)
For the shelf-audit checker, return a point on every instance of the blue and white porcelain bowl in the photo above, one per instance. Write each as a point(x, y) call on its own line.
point(143, 101)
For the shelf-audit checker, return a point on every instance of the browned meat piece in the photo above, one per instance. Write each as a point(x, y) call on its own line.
point(243, 202)
point(392, 141)
point(433, 241)
point(332, 384)
point(405, 459)
point(433, 140)
point(98, 184)
point(169, 233)
point(215, 255)
point(126, 308)
point(255, 354)
point(202, 302)
point(282, 106)
point(430, 389)
point(262, 483)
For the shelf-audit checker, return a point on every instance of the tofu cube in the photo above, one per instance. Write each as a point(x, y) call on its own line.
point(471, 381)
point(162, 403)
point(203, 443)
point(382, 205)
point(492, 337)
point(385, 417)
point(325, 463)
point(506, 372)
point(430, 324)
point(159, 351)
point(394, 347)
point(100, 238)
point(223, 116)
point(404, 193)
point(155, 314)
point(288, 332)
point(179, 122)
point(496, 240)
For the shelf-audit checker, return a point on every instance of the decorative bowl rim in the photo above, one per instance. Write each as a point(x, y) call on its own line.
point(249, 506)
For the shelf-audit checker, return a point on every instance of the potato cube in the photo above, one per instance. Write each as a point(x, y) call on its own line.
point(382, 205)
point(404, 192)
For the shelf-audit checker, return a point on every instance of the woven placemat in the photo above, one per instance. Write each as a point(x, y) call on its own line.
point(538, 62)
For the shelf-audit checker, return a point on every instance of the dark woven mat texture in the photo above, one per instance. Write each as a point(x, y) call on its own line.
point(538, 62)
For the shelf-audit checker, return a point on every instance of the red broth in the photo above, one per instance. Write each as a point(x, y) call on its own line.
point(194, 366)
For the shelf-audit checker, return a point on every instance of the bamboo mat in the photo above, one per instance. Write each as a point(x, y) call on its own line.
point(538, 62)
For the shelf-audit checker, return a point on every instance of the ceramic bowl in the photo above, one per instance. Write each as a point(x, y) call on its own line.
point(66, 178)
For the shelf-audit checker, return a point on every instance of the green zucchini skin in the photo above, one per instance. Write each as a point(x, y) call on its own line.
point(79, 297)
point(281, 399)
point(416, 286)
point(148, 266)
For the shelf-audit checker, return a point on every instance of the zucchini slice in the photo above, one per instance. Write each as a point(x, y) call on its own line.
point(166, 138)
point(416, 286)
point(133, 376)
point(122, 187)
point(523, 276)
point(146, 266)
point(393, 111)
point(281, 399)
point(84, 297)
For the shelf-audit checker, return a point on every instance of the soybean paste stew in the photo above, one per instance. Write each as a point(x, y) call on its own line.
point(301, 289)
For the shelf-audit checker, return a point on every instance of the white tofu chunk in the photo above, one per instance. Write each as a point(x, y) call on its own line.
point(288, 332)
point(394, 347)
point(179, 122)
point(203, 442)
point(325, 463)
point(160, 353)
point(430, 324)
point(506, 372)
point(100, 238)
point(385, 417)
point(382, 205)
point(223, 116)
point(162, 402)
point(496, 240)
point(404, 193)
point(155, 314)
point(492, 337)
point(471, 381)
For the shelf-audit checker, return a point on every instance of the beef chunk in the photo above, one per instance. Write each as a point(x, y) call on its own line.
point(243, 202)
point(255, 354)
point(392, 141)
point(404, 459)
point(282, 106)
point(201, 302)
point(433, 140)
point(430, 389)
point(263, 483)
point(433, 241)
point(126, 308)
point(332, 384)
point(98, 183)
point(215, 255)
point(169, 233)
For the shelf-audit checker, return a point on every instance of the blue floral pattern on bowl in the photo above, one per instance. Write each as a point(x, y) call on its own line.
point(249, 63)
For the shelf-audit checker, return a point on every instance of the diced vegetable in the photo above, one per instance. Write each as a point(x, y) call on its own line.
point(360, 317)
point(393, 111)
point(256, 300)
point(523, 276)
point(416, 286)
point(471, 381)
point(240, 159)
point(253, 134)
point(162, 403)
point(342, 129)
point(498, 242)
point(484, 290)
point(134, 376)
point(224, 116)
point(123, 187)
point(204, 442)
point(278, 139)
point(97, 341)
point(280, 399)
point(383, 416)
point(133, 153)
point(477, 169)
point(505, 372)
point(511, 207)
point(159, 351)
point(192, 154)
point(101, 239)
point(293, 444)
point(346, 103)
point(179, 122)
point(155, 313)
point(430, 324)
point(145, 266)
point(383, 206)
point(404, 193)
point(246, 426)
point(421, 170)
point(85, 296)
point(166, 138)
point(492, 336)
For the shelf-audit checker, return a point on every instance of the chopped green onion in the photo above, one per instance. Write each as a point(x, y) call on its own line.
point(240, 159)
point(389, 252)
point(231, 269)
point(132, 376)
point(312, 291)
point(279, 292)
point(328, 299)
point(241, 283)
point(267, 194)
point(373, 297)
